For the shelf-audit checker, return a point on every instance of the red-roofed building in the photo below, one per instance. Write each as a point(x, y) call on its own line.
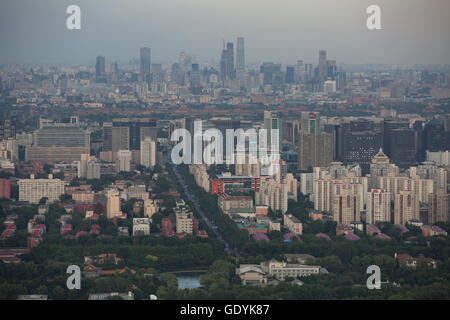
point(342, 229)
point(33, 241)
point(81, 233)
point(405, 260)
point(82, 208)
point(95, 229)
point(67, 227)
point(321, 235)
point(351, 237)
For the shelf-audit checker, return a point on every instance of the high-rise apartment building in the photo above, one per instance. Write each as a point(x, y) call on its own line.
point(429, 170)
point(346, 206)
point(406, 207)
point(33, 190)
point(315, 148)
point(88, 167)
point(123, 160)
point(113, 204)
point(148, 152)
point(381, 166)
point(185, 222)
point(439, 207)
point(272, 194)
point(378, 206)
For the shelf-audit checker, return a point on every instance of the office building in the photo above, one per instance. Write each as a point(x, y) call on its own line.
point(272, 121)
point(127, 133)
point(402, 144)
point(58, 142)
point(227, 71)
point(100, 70)
point(358, 142)
point(290, 74)
point(437, 135)
point(323, 71)
point(144, 74)
point(107, 136)
point(240, 61)
point(7, 129)
point(314, 150)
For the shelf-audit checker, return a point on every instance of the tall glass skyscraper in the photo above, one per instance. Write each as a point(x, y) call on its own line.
point(100, 72)
point(323, 72)
point(272, 120)
point(227, 71)
point(240, 60)
point(145, 65)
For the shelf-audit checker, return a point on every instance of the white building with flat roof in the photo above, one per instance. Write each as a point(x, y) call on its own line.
point(33, 190)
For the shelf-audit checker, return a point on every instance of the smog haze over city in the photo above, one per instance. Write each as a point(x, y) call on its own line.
point(413, 31)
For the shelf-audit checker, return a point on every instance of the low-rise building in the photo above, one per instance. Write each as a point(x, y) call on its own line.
point(292, 224)
point(227, 202)
point(283, 270)
point(141, 226)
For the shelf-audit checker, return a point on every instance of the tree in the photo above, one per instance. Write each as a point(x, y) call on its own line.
point(10, 291)
point(58, 293)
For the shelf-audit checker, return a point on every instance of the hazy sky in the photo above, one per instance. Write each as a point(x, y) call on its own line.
point(413, 31)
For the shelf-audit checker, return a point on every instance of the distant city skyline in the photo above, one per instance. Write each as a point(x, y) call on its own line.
point(413, 31)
